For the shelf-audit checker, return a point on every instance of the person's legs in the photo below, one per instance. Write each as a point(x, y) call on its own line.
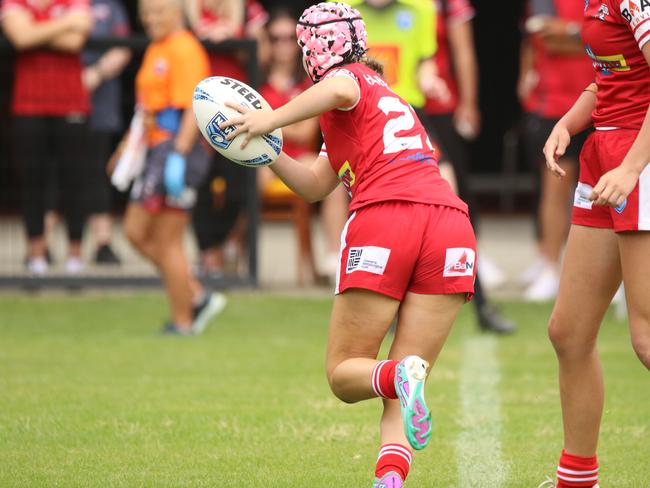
point(137, 224)
point(590, 276)
point(423, 326)
point(359, 322)
point(71, 138)
point(635, 251)
point(32, 160)
point(553, 221)
point(167, 238)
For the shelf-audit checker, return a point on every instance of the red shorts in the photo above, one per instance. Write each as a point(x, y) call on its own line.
point(394, 247)
point(603, 151)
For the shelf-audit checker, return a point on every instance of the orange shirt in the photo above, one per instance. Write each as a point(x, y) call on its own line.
point(171, 69)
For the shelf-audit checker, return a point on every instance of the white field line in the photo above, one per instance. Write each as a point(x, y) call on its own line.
point(478, 447)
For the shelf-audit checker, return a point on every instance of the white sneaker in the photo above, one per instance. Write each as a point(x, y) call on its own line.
point(547, 483)
point(37, 266)
point(534, 269)
point(212, 305)
point(491, 275)
point(74, 265)
point(545, 286)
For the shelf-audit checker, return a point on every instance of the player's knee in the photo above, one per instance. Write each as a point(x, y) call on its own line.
point(338, 385)
point(135, 235)
point(641, 344)
point(566, 340)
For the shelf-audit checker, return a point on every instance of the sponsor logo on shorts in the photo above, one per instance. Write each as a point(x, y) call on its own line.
point(372, 259)
point(581, 198)
point(459, 261)
point(216, 134)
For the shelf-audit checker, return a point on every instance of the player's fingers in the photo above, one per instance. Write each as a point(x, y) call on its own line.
point(246, 140)
point(236, 132)
point(230, 122)
point(605, 195)
point(239, 108)
point(620, 201)
point(562, 143)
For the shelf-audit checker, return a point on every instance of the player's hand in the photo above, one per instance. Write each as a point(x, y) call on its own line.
point(250, 122)
point(614, 186)
point(434, 87)
point(174, 176)
point(555, 148)
point(467, 120)
point(91, 78)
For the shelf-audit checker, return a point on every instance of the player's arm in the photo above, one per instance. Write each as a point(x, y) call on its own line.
point(577, 119)
point(312, 182)
point(615, 185)
point(24, 33)
point(337, 92)
point(461, 41)
point(561, 37)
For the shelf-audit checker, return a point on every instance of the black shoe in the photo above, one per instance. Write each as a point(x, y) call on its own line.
point(105, 255)
point(491, 320)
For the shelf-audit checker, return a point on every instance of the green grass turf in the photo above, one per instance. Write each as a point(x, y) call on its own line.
point(92, 396)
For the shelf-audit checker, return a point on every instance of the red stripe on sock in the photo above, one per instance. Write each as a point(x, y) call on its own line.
point(577, 471)
point(383, 379)
point(393, 457)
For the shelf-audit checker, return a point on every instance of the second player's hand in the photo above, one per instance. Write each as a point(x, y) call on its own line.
point(251, 122)
point(555, 148)
point(614, 186)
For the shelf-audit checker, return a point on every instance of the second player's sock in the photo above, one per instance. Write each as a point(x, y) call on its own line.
point(393, 457)
point(383, 379)
point(576, 471)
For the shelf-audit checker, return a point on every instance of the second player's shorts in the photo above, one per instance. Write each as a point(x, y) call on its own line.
point(603, 151)
point(394, 247)
point(536, 132)
point(149, 188)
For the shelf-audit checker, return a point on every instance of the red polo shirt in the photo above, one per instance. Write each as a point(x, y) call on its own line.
point(47, 82)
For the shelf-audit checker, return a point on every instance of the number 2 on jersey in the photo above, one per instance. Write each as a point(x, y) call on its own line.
point(406, 121)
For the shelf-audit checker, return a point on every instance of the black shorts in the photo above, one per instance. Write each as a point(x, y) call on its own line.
point(536, 132)
point(149, 188)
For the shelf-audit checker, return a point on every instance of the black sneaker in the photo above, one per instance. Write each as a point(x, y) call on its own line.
point(211, 305)
point(491, 320)
point(105, 255)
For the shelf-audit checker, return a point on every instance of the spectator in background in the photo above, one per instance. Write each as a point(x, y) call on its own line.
point(176, 162)
point(50, 109)
point(286, 79)
point(222, 197)
point(100, 77)
point(455, 119)
point(555, 71)
point(401, 35)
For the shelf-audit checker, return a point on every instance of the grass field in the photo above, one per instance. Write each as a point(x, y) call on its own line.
point(92, 396)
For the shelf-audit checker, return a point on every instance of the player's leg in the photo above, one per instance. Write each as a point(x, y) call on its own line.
point(167, 244)
point(590, 276)
point(635, 250)
point(138, 224)
point(554, 221)
point(423, 326)
point(359, 322)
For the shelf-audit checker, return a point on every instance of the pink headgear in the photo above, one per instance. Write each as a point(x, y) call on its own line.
point(329, 35)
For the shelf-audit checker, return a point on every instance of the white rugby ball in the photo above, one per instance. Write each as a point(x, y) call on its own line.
point(209, 104)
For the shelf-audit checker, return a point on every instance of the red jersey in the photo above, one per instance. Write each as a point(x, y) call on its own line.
point(278, 98)
point(556, 92)
point(47, 82)
point(380, 150)
point(614, 32)
point(448, 13)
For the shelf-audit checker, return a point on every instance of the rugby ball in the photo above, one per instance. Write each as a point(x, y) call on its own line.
point(209, 104)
